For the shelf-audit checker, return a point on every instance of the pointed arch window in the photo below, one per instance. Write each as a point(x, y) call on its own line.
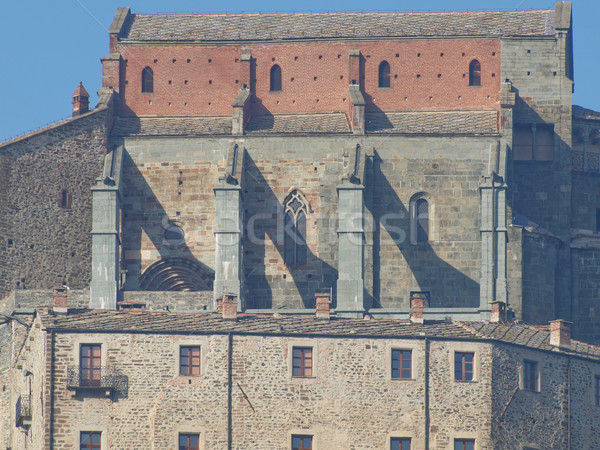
point(474, 73)
point(384, 74)
point(296, 211)
point(147, 80)
point(275, 78)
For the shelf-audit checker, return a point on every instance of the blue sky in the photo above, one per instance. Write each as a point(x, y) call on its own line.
point(49, 46)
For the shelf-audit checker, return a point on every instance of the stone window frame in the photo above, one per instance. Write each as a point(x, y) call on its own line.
point(412, 348)
point(189, 434)
point(528, 446)
point(465, 348)
point(412, 211)
point(190, 357)
point(92, 428)
point(298, 259)
point(187, 342)
point(275, 78)
point(538, 363)
point(193, 426)
point(398, 434)
point(102, 341)
point(302, 432)
point(304, 343)
point(465, 436)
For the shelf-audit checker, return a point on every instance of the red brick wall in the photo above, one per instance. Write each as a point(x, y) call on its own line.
point(421, 78)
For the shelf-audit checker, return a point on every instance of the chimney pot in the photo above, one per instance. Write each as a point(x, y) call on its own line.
point(417, 305)
point(560, 333)
point(323, 301)
point(498, 312)
point(81, 100)
point(60, 299)
point(229, 307)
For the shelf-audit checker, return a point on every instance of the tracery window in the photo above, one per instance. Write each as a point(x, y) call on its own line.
point(296, 211)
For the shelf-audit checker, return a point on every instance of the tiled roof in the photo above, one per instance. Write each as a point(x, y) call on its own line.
point(85, 320)
point(261, 27)
point(171, 126)
point(438, 122)
point(585, 113)
point(298, 124)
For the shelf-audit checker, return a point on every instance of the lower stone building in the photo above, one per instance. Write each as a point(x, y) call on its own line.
point(159, 380)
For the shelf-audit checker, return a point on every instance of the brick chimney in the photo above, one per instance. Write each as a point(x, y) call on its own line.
point(229, 307)
point(323, 300)
point(560, 333)
point(60, 299)
point(417, 305)
point(498, 312)
point(81, 101)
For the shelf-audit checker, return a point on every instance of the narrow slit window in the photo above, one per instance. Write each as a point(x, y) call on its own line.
point(147, 80)
point(275, 78)
point(474, 73)
point(422, 222)
point(384, 74)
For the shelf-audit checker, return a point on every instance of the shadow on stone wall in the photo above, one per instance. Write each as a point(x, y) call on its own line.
point(431, 273)
point(268, 289)
point(177, 269)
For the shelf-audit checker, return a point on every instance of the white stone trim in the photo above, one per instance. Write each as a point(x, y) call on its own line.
point(91, 428)
point(303, 432)
point(190, 427)
point(413, 347)
point(189, 342)
point(465, 347)
point(315, 355)
point(414, 442)
point(465, 435)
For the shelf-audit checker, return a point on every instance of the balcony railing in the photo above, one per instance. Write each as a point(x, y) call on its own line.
point(23, 411)
point(586, 161)
point(107, 379)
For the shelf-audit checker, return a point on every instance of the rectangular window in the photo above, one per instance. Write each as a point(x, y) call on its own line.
point(464, 444)
point(90, 361)
point(301, 442)
point(189, 360)
point(400, 444)
point(597, 389)
point(463, 366)
point(530, 375)
point(402, 364)
point(89, 440)
point(189, 441)
point(533, 142)
point(302, 362)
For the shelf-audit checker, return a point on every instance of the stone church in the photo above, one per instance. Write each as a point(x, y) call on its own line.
point(341, 230)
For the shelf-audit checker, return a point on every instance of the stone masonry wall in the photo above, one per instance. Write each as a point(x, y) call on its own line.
point(48, 244)
point(204, 80)
point(172, 180)
point(541, 190)
point(350, 398)
point(540, 419)
point(586, 292)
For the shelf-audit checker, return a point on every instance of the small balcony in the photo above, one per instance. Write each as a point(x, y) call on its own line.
point(105, 379)
point(23, 411)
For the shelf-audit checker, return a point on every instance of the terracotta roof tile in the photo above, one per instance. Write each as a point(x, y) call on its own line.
point(86, 320)
point(172, 126)
point(262, 27)
point(435, 122)
point(298, 124)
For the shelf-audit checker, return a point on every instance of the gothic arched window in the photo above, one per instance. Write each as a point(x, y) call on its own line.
point(295, 210)
point(275, 78)
point(147, 80)
point(474, 73)
point(384, 74)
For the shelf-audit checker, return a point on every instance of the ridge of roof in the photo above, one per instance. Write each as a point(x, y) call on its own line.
point(336, 25)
